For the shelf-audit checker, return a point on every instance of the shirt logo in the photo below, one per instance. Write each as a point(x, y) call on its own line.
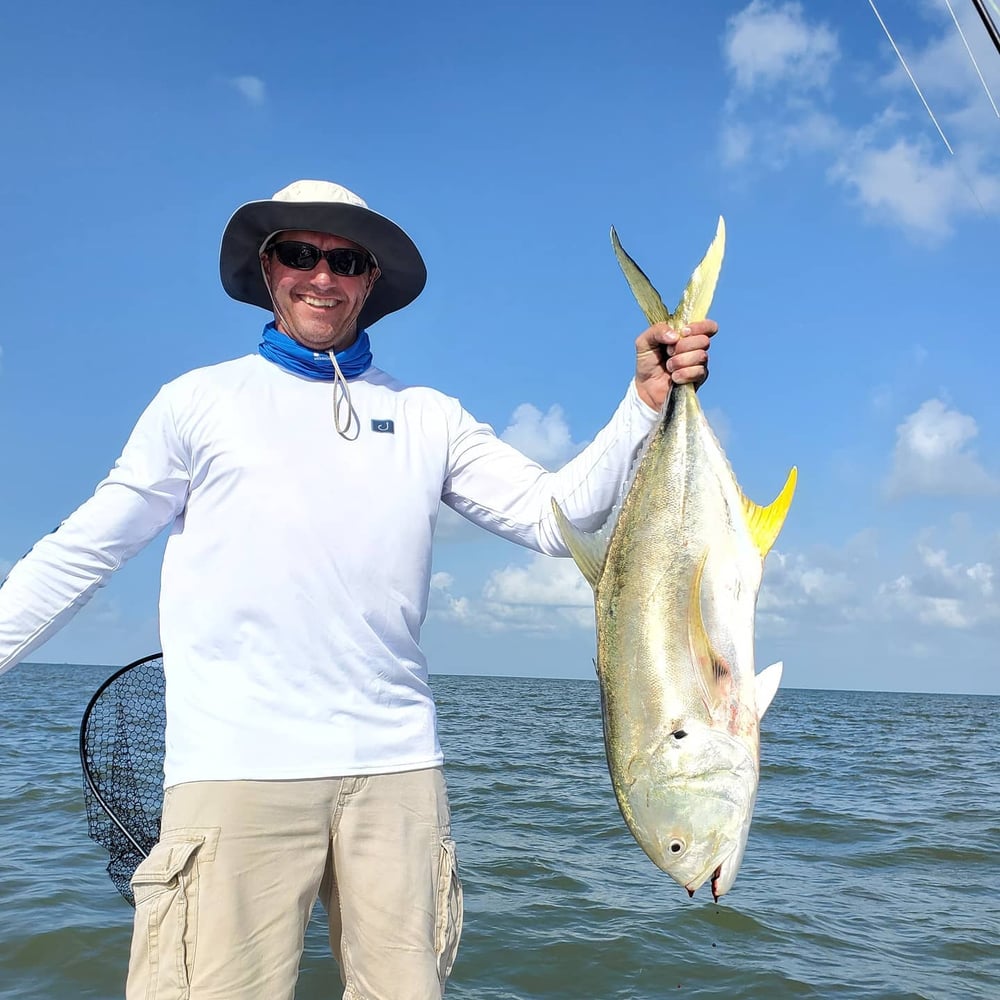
point(383, 427)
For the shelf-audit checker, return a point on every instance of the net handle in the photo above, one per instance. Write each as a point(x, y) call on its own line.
point(88, 777)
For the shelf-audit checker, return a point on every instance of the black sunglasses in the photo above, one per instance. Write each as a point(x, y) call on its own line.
point(344, 261)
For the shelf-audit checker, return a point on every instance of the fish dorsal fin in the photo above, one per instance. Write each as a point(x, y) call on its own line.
point(766, 684)
point(642, 288)
point(697, 297)
point(765, 522)
point(715, 674)
point(588, 549)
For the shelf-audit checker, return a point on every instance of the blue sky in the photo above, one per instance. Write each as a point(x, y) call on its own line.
point(857, 305)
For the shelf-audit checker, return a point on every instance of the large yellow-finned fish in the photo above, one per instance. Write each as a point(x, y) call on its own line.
point(675, 573)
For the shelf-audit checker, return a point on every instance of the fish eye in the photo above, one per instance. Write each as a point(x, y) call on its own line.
point(676, 846)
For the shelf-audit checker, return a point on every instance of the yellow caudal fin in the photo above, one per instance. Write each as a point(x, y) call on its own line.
point(642, 288)
point(765, 522)
point(697, 297)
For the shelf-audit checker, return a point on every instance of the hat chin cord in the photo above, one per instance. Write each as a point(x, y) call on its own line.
point(341, 390)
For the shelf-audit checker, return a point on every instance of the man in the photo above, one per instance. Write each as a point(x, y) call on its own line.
point(301, 487)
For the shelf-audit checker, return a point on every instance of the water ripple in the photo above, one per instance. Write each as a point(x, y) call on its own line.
point(873, 868)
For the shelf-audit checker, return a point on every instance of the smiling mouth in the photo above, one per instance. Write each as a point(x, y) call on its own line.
point(310, 300)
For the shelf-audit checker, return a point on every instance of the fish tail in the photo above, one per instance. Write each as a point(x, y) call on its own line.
point(697, 297)
point(642, 288)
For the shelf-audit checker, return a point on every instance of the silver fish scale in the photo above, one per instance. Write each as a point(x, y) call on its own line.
point(682, 502)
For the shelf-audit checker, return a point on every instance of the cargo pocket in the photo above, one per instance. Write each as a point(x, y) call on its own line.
point(166, 919)
point(448, 918)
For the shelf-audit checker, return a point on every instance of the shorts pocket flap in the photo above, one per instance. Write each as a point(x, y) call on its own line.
point(166, 861)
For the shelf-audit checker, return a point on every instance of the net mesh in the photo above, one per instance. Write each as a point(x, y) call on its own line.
point(121, 750)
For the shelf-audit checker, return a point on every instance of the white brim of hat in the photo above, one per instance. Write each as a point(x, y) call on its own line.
point(403, 273)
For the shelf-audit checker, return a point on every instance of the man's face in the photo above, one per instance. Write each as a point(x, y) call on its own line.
point(317, 308)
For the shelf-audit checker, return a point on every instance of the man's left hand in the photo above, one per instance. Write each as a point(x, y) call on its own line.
point(665, 357)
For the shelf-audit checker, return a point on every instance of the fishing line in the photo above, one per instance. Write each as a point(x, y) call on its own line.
point(973, 58)
point(916, 87)
point(991, 28)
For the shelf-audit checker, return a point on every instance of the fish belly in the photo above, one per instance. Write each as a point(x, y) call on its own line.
point(682, 512)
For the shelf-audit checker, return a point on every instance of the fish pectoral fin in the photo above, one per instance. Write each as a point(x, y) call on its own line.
point(765, 523)
point(766, 685)
point(588, 550)
point(715, 674)
point(642, 288)
point(697, 297)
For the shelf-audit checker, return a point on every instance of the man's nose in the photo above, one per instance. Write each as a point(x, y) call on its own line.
point(321, 274)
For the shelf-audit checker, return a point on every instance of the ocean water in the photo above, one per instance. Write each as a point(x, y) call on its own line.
point(873, 868)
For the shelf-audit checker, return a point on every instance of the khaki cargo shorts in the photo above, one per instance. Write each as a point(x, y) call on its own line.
point(223, 900)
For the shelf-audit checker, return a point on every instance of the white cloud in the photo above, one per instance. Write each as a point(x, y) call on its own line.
point(851, 589)
point(907, 183)
point(545, 595)
point(797, 588)
point(544, 582)
point(737, 143)
point(769, 44)
point(943, 68)
point(954, 596)
point(447, 605)
point(545, 437)
point(890, 160)
point(251, 87)
point(933, 455)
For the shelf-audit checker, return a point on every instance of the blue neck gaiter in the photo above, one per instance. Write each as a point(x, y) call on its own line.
point(293, 357)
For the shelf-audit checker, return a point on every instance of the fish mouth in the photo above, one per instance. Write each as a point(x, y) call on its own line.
point(715, 884)
point(712, 875)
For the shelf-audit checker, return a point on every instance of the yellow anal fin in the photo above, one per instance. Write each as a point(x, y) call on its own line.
point(715, 673)
point(765, 522)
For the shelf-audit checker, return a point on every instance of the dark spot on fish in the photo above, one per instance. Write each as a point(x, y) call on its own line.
point(679, 734)
point(690, 893)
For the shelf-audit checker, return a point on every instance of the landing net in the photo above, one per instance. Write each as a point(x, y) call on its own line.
point(121, 750)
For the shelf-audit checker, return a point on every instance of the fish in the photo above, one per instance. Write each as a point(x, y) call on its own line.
point(675, 571)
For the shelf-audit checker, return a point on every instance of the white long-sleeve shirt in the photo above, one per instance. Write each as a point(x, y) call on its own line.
point(296, 574)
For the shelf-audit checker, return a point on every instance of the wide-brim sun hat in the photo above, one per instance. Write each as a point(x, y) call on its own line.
point(322, 207)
